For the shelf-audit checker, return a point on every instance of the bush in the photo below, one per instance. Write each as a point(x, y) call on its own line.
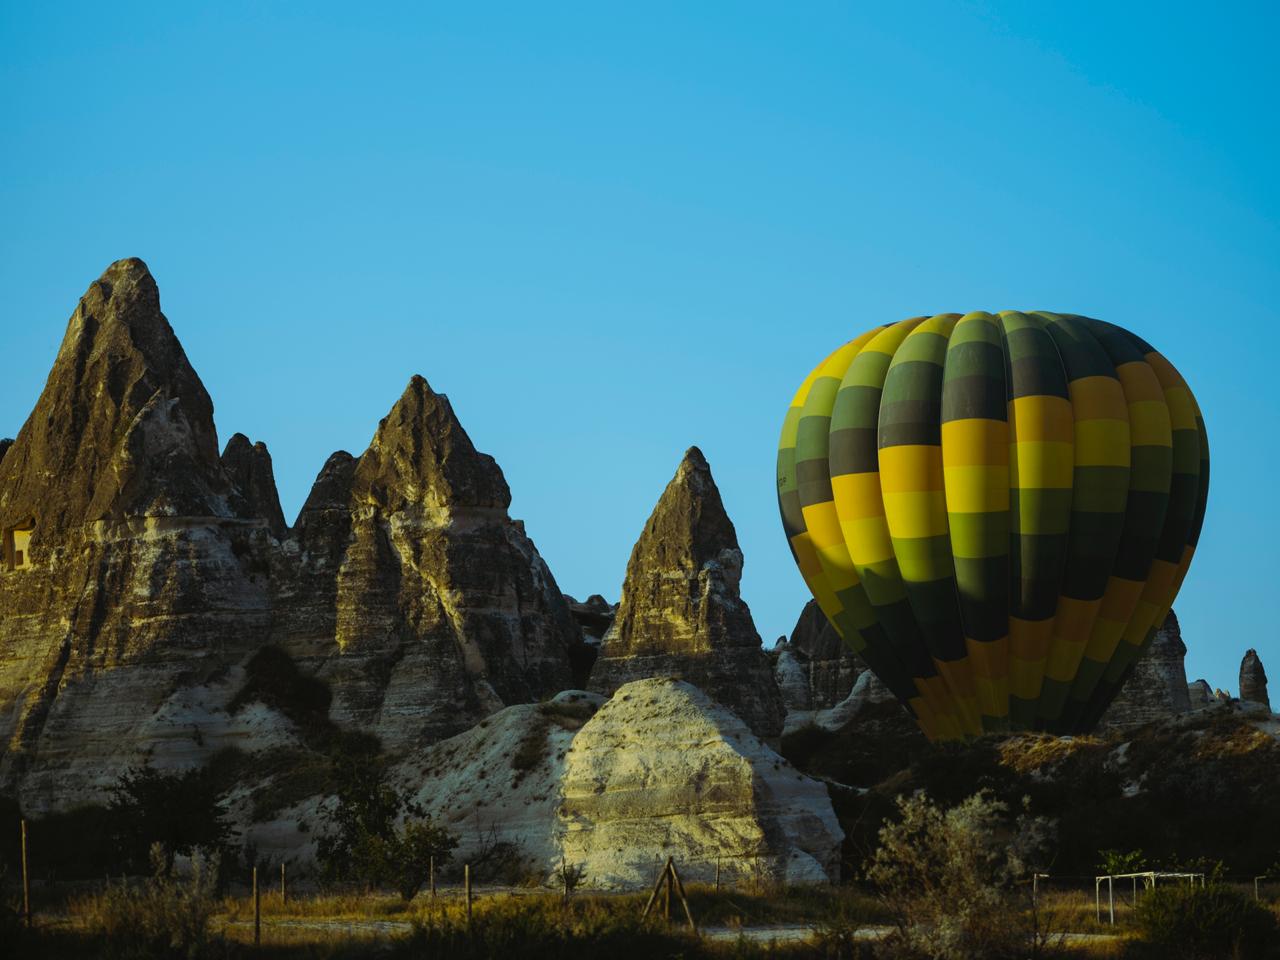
point(1184, 923)
point(160, 918)
point(180, 812)
point(950, 878)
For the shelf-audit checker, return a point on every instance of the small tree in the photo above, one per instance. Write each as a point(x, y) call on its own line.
point(950, 878)
point(379, 834)
point(1116, 862)
point(179, 811)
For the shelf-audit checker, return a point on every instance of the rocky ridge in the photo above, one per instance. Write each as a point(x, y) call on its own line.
point(681, 613)
point(139, 563)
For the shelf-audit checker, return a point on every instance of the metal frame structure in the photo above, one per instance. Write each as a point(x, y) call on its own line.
point(1148, 878)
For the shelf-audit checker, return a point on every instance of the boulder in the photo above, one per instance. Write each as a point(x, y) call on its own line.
point(1253, 680)
point(1157, 687)
point(681, 613)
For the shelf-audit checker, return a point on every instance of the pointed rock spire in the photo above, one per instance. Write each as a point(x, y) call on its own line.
point(123, 427)
point(421, 455)
point(1253, 680)
point(248, 466)
point(416, 596)
point(1157, 688)
point(681, 612)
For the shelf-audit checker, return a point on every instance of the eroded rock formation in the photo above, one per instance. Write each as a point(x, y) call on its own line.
point(1157, 688)
point(443, 611)
point(138, 563)
point(1253, 680)
point(681, 613)
point(248, 467)
point(663, 770)
point(816, 654)
point(139, 555)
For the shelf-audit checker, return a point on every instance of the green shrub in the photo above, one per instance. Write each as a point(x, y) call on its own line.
point(953, 879)
point(1184, 923)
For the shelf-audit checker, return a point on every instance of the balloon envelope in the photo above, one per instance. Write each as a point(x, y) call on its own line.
point(995, 511)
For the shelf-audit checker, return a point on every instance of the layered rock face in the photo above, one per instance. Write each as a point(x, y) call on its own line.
point(659, 770)
point(1157, 688)
point(442, 610)
point(138, 554)
point(1253, 680)
point(663, 770)
point(815, 669)
point(681, 614)
point(138, 563)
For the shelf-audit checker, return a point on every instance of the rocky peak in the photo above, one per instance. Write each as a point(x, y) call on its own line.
point(1253, 680)
point(681, 613)
point(421, 456)
point(1200, 693)
point(1157, 687)
point(123, 427)
point(248, 466)
point(415, 595)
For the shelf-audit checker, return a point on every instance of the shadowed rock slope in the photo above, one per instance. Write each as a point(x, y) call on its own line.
point(681, 614)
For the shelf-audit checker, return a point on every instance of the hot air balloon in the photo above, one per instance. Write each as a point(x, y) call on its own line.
point(995, 511)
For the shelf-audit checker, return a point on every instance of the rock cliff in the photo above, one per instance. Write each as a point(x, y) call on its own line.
point(415, 595)
point(139, 558)
point(141, 570)
point(681, 613)
point(1253, 680)
point(1157, 688)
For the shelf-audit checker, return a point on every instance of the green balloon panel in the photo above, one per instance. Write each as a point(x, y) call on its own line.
point(995, 511)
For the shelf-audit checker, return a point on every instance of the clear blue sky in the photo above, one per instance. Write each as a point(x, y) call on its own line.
point(611, 231)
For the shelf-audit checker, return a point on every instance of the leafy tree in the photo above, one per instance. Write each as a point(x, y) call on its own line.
point(1116, 862)
point(378, 835)
point(179, 811)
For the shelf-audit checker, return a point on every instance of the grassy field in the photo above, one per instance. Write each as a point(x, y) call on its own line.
point(514, 923)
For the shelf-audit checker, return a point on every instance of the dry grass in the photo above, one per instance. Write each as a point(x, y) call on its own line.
point(1025, 753)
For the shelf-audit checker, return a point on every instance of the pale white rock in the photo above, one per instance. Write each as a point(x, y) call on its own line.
point(867, 690)
point(663, 770)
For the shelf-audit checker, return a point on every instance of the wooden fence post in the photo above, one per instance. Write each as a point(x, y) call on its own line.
point(26, 879)
point(432, 875)
point(284, 897)
point(257, 911)
point(717, 874)
point(466, 882)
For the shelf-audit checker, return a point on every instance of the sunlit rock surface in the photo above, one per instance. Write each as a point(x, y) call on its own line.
point(682, 614)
